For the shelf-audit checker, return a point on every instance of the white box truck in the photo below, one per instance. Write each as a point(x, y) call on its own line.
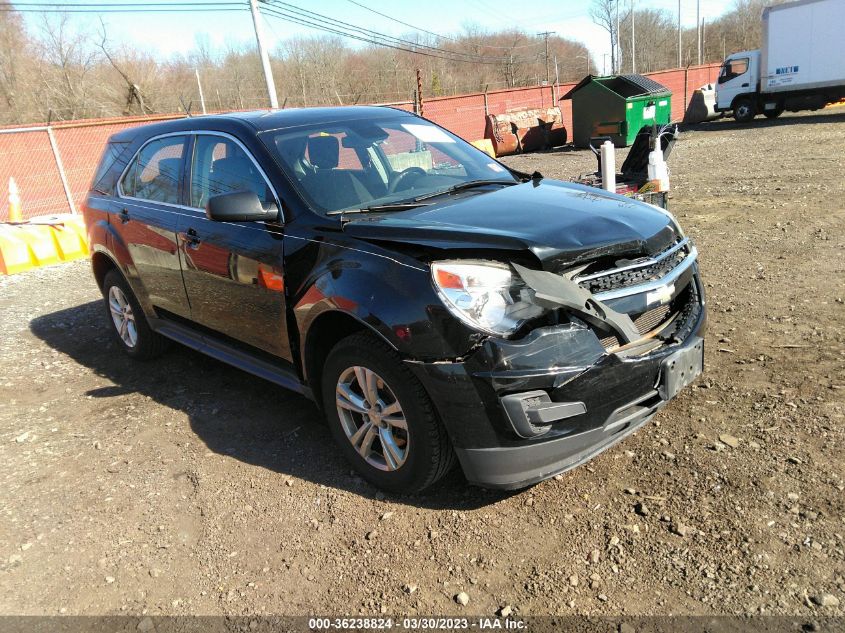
point(801, 65)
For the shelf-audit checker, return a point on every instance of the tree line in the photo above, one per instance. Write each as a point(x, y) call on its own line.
point(51, 70)
point(655, 32)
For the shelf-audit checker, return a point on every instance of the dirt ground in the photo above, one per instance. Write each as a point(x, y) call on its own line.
point(183, 486)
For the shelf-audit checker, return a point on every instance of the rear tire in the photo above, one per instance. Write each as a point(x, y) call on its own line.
point(128, 323)
point(744, 110)
point(396, 443)
point(773, 114)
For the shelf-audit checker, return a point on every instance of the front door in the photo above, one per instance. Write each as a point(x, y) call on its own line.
point(737, 77)
point(146, 215)
point(233, 270)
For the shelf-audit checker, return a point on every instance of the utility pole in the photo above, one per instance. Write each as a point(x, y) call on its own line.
point(262, 52)
point(618, 47)
point(633, 40)
point(680, 58)
point(199, 85)
point(545, 35)
point(698, 27)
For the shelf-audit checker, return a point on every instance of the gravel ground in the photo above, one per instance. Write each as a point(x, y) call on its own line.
point(182, 486)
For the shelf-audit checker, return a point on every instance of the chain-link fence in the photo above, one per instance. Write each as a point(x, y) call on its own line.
point(53, 165)
point(28, 156)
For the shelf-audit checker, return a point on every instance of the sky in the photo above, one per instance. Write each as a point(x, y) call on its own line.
point(168, 34)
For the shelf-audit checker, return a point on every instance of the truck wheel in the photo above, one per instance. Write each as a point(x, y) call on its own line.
point(130, 326)
point(382, 418)
point(773, 114)
point(744, 110)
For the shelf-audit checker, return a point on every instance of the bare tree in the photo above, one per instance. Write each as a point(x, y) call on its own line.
point(66, 80)
point(133, 91)
point(656, 31)
point(15, 58)
point(603, 13)
point(68, 72)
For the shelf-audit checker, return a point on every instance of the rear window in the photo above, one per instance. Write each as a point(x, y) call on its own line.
point(157, 171)
point(114, 156)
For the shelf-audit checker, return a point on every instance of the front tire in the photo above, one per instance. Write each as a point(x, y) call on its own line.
point(382, 418)
point(129, 325)
point(744, 110)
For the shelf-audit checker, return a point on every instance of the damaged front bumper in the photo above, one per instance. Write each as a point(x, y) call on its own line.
point(522, 411)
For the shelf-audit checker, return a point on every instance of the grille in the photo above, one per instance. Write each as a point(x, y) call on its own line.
point(645, 323)
point(616, 279)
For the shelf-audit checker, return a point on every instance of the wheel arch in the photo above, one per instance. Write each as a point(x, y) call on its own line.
point(324, 332)
point(101, 265)
point(745, 95)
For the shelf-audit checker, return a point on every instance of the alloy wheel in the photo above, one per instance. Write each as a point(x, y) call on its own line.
point(123, 317)
point(372, 418)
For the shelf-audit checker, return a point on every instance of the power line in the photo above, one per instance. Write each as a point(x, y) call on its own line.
point(199, 7)
point(416, 28)
point(123, 4)
point(370, 35)
point(116, 11)
point(438, 35)
point(368, 40)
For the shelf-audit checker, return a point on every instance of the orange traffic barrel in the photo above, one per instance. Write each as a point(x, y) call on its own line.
point(15, 213)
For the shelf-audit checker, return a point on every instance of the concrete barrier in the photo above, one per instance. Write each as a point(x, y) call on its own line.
point(43, 241)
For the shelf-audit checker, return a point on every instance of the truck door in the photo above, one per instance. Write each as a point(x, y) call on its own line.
point(738, 76)
point(233, 270)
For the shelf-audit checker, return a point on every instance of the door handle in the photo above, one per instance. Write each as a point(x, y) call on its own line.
point(191, 238)
point(745, 85)
point(124, 216)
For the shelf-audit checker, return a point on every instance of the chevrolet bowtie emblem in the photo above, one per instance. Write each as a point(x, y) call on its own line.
point(661, 295)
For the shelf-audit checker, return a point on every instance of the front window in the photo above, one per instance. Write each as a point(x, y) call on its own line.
point(361, 163)
point(733, 68)
point(220, 166)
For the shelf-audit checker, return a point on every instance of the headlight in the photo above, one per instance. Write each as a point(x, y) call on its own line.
point(485, 295)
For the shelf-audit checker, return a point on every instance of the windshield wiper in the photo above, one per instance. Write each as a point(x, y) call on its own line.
point(524, 176)
point(387, 206)
point(471, 184)
point(413, 203)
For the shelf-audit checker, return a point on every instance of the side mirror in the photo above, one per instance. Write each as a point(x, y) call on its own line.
point(239, 206)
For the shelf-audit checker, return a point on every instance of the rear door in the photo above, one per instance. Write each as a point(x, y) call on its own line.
point(146, 216)
point(233, 270)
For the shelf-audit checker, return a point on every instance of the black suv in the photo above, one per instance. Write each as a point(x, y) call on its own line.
point(434, 303)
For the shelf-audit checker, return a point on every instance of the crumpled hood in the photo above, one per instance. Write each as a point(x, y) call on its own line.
point(561, 223)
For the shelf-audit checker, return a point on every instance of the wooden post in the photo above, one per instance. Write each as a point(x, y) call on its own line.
point(420, 93)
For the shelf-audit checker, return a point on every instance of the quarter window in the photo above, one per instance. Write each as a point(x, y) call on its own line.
point(156, 172)
point(221, 166)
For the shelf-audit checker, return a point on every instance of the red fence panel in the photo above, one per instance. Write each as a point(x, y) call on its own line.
point(28, 157)
point(81, 146)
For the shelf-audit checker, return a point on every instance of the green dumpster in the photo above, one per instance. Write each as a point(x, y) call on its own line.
point(618, 107)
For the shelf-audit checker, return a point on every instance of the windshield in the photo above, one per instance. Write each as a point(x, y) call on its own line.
point(360, 163)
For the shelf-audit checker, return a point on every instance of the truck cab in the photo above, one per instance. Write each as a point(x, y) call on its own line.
point(738, 83)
